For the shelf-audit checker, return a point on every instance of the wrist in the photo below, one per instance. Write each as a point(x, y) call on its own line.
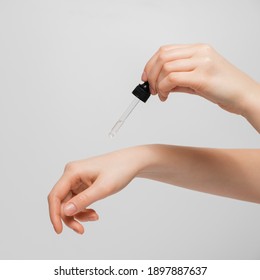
point(153, 159)
point(143, 157)
point(251, 107)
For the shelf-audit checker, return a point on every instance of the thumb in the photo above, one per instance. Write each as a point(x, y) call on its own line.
point(83, 200)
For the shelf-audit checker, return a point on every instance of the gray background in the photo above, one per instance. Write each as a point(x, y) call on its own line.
point(67, 69)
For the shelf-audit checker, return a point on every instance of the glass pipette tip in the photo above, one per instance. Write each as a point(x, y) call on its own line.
point(124, 116)
point(141, 92)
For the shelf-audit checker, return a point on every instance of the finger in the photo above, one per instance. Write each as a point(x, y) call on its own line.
point(73, 224)
point(70, 221)
point(164, 97)
point(87, 215)
point(58, 193)
point(54, 212)
point(68, 197)
point(184, 90)
point(70, 180)
point(150, 64)
point(144, 77)
point(79, 202)
point(151, 61)
point(84, 216)
point(181, 65)
point(167, 56)
point(177, 79)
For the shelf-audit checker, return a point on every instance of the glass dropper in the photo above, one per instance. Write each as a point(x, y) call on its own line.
point(142, 93)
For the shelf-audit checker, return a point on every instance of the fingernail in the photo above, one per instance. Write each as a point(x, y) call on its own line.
point(162, 98)
point(70, 209)
point(77, 231)
point(93, 218)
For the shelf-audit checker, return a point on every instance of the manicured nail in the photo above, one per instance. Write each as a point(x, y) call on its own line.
point(78, 231)
point(70, 209)
point(93, 218)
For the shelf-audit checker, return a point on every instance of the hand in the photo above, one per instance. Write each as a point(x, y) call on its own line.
point(199, 69)
point(87, 181)
point(231, 173)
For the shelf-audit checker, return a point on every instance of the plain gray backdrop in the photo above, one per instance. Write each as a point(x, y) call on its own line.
point(67, 71)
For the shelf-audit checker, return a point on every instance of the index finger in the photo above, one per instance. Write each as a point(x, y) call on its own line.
point(57, 195)
point(150, 64)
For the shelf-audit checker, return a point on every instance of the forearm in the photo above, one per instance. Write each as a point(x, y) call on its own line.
point(230, 173)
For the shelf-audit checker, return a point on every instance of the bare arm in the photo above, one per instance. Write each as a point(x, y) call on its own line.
point(231, 173)
point(196, 69)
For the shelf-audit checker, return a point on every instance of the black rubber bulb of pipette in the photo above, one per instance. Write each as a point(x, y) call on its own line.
point(142, 91)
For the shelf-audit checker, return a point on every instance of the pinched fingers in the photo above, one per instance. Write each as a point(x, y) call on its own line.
point(82, 200)
point(176, 79)
point(181, 65)
point(73, 222)
point(70, 221)
point(56, 208)
point(164, 55)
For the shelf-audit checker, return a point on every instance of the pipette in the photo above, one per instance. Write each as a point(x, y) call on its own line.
point(141, 92)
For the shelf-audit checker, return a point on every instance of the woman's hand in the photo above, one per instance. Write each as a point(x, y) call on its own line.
point(87, 181)
point(199, 69)
point(231, 173)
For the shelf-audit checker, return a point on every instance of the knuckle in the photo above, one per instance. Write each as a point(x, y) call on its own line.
point(160, 87)
point(51, 197)
point(206, 57)
point(163, 49)
point(172, 77)
point(161, 57)
point(206, 66)
point(82, 198)
point(166, 68)
point(206, 49)
point(207, 61)
point(70, 167)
